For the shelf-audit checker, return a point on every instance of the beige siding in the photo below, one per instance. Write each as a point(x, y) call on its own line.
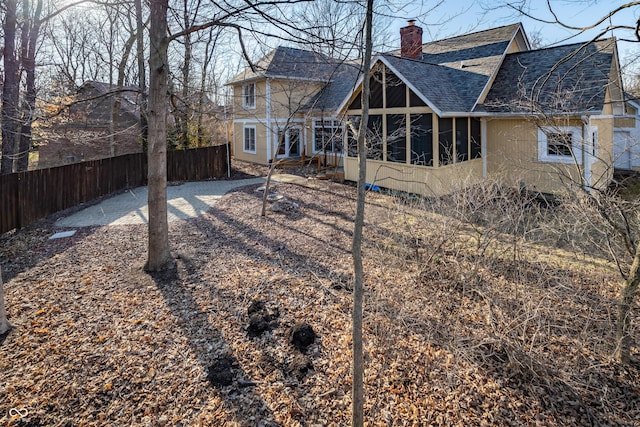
point(238, 142)
point(289, 97)
point(512, 156)
point(602, 168)
point(426, 181)
point(240, 112)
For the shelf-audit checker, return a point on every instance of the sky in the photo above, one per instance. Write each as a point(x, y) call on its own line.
point(463, 16)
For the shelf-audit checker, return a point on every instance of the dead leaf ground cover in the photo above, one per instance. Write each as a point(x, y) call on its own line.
point(451, 337)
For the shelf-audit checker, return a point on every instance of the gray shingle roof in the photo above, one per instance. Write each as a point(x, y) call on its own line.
point(343, 81)
point(452, 73)
point(292, 63)
point(492, 37)
point(570, 78)
point(448, 89)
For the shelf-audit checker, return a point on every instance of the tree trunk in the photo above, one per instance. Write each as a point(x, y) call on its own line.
point(29, 67)
point(629, 290)
point(159, 255)
point(357, 408)
point(142, 75)
point(184, 110)
point(10, 92)
point(208, 54)
point(272, 168)
point(117, 103)
point(4, 324)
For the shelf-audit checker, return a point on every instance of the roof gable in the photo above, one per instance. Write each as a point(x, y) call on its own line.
point(451, 75)
point(444, 89)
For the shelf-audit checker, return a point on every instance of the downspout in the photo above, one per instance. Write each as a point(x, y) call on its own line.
point(268, 108)
point(483, 146)
point(587, 149)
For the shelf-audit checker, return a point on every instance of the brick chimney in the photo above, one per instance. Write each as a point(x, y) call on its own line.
point(411, 40)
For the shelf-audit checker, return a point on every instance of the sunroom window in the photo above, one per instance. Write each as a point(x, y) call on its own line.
point(327, 136)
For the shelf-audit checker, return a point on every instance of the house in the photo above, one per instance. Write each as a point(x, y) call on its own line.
point(451, 113)
point(285, 106)
point(626, 137)
point(83, 131)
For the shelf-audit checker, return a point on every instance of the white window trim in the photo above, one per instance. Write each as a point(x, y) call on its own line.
point(244, 96)
point(339, 124)
point(244, 139)
point(576, 145)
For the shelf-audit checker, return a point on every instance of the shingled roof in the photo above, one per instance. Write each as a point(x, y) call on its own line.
point(342, 83)
point(570, 78)
point(290, 63)
point(446, 89)
point(471, 48)
point(452, 73)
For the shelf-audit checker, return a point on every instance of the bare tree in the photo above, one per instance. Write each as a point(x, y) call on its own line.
point(159, 255)
point(357, 411)
point(142, 76)
point(10, 90)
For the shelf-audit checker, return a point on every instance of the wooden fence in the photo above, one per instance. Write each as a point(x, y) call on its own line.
point(28, 196)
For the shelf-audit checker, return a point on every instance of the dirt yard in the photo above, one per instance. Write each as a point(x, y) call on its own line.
point(252, 325)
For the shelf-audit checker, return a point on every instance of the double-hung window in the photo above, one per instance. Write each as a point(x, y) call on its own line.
point(249, 135)
point(249, 95)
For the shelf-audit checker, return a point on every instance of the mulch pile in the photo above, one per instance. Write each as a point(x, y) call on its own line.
point(251, 327)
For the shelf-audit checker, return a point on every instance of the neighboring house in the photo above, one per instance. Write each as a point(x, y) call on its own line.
point(626, 137)
point(450, 113)
point(285, 106)
point(83, 131)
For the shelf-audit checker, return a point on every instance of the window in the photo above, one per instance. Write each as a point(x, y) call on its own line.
point(476, 141)
point(396, 138)
point(249, 95)
point(396, 90)
point(462, 139)
point(374, 139)
point(422, 139)
point(415, 100)
point(594, 142)
point(446, 141)
point(376, 88)
point(327, 136)
point(559, 145)
point(356, 104)
point(249, 144)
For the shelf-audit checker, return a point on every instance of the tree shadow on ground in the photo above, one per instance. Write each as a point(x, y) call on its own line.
point(215, 356)
point(4, 336)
